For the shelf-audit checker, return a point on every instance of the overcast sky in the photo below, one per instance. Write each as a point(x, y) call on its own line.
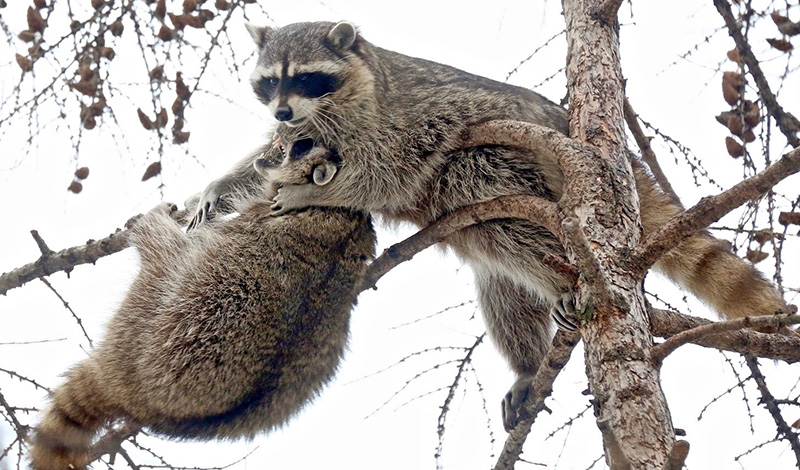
point(679, 95)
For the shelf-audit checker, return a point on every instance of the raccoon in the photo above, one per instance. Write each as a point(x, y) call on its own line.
point(226, 332)
point(399, 120)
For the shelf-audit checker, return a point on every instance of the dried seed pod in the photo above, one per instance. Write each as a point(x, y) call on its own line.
point(763, 236)
point(24, 63)
point(86, 87)
point(734, 56)
point(735, 149)
point(723, 117)
point(162, 118)
point(89, 123)
point(74, 26)
point(146, 122)
point(780, 44)
point(106, 52)
point(161, 10)
point(180, 88)
point(166, 34)
point(177, 107)
point(752, 115)
point(98, 106)
point(39, 4)
point(117, 28)
point(82, 173)
point(735, 124)
point(748, 136)
point(27, 36)
point(222, 5)
point(97, 4)
point(153, 170)
point(75, 187)
point(779, 19)
point(189, 5)
point(756, 256)
point(86, 72)
point(789, 218)
point(35, 51)
point(180, 137)
point(35, 21)
point(157, 73)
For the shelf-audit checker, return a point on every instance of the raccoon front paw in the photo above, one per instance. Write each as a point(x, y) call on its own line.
point(206, 205)
point(564, 314)
point(513, 401)
point(290, 197)
point(166, 208)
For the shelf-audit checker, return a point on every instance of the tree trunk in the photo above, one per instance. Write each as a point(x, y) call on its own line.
point(601, 206)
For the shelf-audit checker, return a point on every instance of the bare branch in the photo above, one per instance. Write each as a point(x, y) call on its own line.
point(661, 351)
point(532, 208)
point(787, 123)
point(555, 360)
point(768, 400)
point(779, 347)
point(65, 260)
point(648, 155)
point(709, 210)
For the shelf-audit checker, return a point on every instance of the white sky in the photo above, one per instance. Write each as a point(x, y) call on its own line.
point(679, 96)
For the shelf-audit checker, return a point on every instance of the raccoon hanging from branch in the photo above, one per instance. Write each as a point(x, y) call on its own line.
point(226, 332)
point(397, 121)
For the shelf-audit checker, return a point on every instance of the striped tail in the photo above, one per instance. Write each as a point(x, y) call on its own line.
point(704, 265)
point(63, 439)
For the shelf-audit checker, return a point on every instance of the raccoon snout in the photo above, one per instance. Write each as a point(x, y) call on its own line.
point(284, 113)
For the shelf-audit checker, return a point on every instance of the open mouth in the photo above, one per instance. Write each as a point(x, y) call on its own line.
point(295, 122)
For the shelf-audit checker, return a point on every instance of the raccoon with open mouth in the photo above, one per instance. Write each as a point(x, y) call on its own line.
point(397, 121)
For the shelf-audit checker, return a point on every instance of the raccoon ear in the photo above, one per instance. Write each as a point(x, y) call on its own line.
point(260, 34)
point(323, 173)
point(342, 35)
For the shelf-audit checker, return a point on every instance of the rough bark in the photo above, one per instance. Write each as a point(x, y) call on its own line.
point(630, 407)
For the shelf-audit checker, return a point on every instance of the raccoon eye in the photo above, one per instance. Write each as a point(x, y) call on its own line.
point(267, 87)
point(313, 85)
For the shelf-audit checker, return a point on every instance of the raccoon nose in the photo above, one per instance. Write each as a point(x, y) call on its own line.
point(284, 113)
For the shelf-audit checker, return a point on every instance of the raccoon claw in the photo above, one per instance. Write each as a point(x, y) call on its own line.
point(289, 198)
point(205, 206)
point(564, 314)
point(166, 208)
point(513, 401)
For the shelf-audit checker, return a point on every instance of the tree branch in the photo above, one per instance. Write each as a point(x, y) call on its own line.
point(522, 135)
point(787, 123)
point(65, 260)
point(648, 155)
point(541, 388)
point(531, 208)
point(779, 347)
point(710, 209)
point(769, 402)
point(607, 11)
point(661, 351)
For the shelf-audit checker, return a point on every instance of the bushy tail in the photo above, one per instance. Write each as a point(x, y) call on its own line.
point(63, 439)
point(732, 286)
point(704, 265)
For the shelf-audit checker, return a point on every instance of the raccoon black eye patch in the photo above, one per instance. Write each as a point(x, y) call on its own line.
point(312, 85)
point(267, 87)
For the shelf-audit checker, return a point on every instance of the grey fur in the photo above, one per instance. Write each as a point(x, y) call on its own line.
point(225, 333)
point(398, 120)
